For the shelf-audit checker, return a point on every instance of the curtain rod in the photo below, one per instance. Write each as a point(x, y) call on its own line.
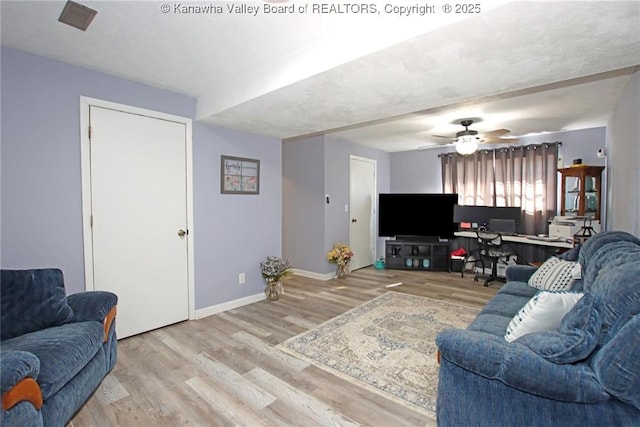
point(524, 147)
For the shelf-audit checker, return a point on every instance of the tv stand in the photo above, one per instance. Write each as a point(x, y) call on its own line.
point(417, 253)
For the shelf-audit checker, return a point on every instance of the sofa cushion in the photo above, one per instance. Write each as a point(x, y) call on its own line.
point(543, 312)
point(604, 251)
point(595, 243)
point(571, 254)
point(496, 315)
point(515, 365)
point(505, 305)
point(618, 288)
point(521, 289)
point(553, 275)
point(492, 324)
point(32, 300)
point(617, 364)
point(576, 337)
point(63, 351)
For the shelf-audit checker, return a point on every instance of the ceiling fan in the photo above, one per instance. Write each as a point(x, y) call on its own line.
point(467, 140)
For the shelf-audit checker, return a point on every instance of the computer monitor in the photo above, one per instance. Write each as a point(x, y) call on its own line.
point(502, 226)
point(479, 216)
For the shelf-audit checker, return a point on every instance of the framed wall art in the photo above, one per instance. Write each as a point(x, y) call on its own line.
point(239, 175)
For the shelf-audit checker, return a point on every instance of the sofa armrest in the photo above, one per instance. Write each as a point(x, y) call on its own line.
point(519, 367)
point(18, 379)
point(91, 305)
point(519, 272)
point(99, 306)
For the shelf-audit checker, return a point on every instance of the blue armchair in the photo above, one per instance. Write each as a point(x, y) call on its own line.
point(55, 349)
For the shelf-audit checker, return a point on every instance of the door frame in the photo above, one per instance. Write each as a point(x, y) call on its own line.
point(374, 205)
point(85, 155)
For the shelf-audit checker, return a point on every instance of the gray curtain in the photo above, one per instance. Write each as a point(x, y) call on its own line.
point(527, 176)
point(472, 177)
point(523, 176)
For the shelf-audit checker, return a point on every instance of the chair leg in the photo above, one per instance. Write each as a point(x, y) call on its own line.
point(464, 264)
point(494, 273)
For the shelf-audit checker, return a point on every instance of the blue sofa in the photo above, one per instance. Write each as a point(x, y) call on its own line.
point(586, 373)
point(55, 349)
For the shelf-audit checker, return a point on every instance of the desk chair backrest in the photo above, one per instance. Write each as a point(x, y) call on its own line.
point(488, 239)
point(490, 246)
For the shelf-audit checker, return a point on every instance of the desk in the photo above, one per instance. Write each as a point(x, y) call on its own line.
point(521, 238)
point(530, 250)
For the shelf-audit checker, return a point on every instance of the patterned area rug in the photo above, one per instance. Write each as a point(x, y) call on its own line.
point(386, 345)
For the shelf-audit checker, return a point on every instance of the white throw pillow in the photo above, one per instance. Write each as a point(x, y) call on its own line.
point(553, 275)
point(543, 312)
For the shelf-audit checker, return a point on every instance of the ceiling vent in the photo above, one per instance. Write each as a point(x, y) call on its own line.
point(77, 15)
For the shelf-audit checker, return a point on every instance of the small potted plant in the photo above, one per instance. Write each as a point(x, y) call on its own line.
point(274, 269)
point(341, 254)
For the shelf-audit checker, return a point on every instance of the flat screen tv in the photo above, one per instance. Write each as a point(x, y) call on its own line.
point(416, 214)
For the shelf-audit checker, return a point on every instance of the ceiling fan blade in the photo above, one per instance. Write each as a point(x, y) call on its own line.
point(439, 145)
point(499, 140)
point(496, 133)
point(442, 136)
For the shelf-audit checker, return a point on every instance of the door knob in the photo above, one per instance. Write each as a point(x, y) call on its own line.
point(182, 233)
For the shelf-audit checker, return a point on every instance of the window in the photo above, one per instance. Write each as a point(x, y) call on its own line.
point(522, 176)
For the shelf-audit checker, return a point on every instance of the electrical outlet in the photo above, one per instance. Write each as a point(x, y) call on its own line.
point(241, 278)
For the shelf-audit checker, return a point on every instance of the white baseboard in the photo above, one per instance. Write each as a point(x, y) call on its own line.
point(314, 275)
point(219, 308)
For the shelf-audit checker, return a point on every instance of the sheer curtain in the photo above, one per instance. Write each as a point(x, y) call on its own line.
point(523, 176)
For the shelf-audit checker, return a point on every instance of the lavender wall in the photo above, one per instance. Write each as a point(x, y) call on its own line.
point(41, 223)
point(234, 232)
point(337, 166)
point(623, 150)
point(303, 203)
point(577, 144)
point(313, 168)
point(417, 171)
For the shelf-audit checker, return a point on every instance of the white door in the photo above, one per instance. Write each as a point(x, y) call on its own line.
point(139, 217)
point(362, 195)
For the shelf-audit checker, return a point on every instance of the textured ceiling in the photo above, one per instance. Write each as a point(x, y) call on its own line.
point(382, 80)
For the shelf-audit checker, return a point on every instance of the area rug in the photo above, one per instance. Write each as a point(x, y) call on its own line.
point(386, 345)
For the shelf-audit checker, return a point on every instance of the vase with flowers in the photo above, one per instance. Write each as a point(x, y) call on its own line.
point(340, 255)
point(274, 269)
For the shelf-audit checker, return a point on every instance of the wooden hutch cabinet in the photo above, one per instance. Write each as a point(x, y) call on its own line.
point(581, 191)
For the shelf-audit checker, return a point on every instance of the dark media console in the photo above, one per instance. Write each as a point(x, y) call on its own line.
point(417, 253)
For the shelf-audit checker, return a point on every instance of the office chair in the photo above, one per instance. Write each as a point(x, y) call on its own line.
point(489, 249)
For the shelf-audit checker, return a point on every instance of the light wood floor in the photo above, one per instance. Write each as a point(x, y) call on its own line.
point(224, 370)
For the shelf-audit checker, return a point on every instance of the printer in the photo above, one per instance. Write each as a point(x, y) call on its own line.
point(566, 226)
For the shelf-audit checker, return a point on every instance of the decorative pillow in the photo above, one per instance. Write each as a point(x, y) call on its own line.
point(32, 300)
point(576, 337)
point(553, 275)
point(543, 312)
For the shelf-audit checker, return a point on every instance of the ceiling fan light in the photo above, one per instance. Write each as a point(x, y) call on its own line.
point(466, 144)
